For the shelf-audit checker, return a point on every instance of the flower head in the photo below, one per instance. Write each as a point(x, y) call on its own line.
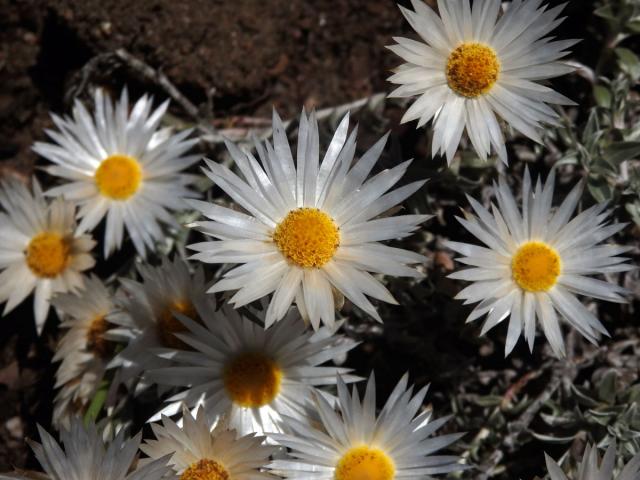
point(309, 228)
point(537, 261)
point(84, 351)
point(145, 317)
point(199, 453)
point(84, 454)
point(118, 164)
point(247, 374)
point(590, 470)
point(356, 443)
point(474, 64)
point(40, 248)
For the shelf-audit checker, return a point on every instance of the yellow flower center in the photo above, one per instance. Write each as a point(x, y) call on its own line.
point(118, 177)
point(168, 325)
point(96, 342)
point(307, 237)
point(252, 379)
point(472, 69)
point(536, 267)
point(205, 470)
point(365, 463)
point(48, 254)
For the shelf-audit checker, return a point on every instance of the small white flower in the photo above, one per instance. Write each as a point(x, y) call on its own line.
point(198, 453)
point(84, 454)
point(537, 262)
point(250, 375)
point(475, 64)
point(83, 351)
point(309, 227)
point(357, 444)
point(118, 164)
point(590, 470)
point(39, 248)
point(145, 315)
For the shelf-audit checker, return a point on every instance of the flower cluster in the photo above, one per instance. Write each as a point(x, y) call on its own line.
point(250, 381)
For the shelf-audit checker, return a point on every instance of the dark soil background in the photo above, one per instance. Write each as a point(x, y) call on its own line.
point(235, 60)
point(254, 54)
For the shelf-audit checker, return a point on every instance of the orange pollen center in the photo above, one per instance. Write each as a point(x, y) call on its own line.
point(252, 379)
point(536, 267)
point(118, 177)
point(96, 342)
point(365, 463)
point(205, 470)
point(472, 69)
point(168, 325)
point(307, 237)
point(48, 254)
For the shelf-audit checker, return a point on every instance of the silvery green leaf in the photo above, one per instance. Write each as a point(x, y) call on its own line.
point(602, 95)
point(634, 25)
point(599, 188)
point(471, 160)
point(633, 392)
point(582, 397)
point(557, 420)
point(603, 420)
point(618, 152)
point(569, 158)
point(606, 11)
point(634, 211)
point(552, 439)
point(629, 62)
point(607, 387)
point(592, 126)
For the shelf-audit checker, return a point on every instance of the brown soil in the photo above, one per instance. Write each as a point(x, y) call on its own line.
point(250, 54)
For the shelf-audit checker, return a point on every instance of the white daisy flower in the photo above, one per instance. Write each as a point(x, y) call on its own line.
point(475, 65)
point(83, 351)
point(250, 375)
point(84, 454)
point(198, 453)
point(537, 262)
point(590, 470)
point(119, 164)
point(39, 248)
point(309, 227)
point(145, 314)
point(356, 444)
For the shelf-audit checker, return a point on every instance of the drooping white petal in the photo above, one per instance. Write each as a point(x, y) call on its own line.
point(496, 289)
point(401, 434)
point(297, 352)
point(524, 56)
point(335, 187)
point(82, 142)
